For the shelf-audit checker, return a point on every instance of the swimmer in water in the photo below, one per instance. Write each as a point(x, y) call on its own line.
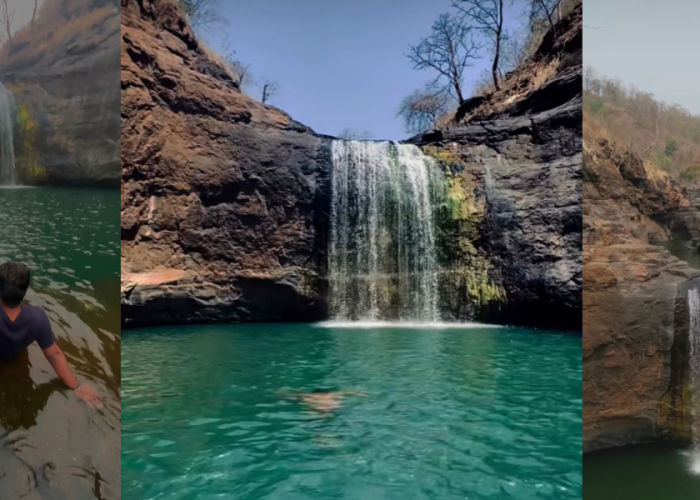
point(323, 401)
point(22, 324)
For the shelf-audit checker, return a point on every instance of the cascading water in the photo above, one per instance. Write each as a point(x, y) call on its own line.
point(7, 153)
point(694, 360)
point(382, 259)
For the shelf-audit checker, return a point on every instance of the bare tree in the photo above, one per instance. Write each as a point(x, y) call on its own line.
point(448, 50)
point(421, 109)
point(513, 52)
point(6, 18)
point(201, 12)
point(269, 90)
point(241, 70)
point(487, 16)
point(36, 2)
point(546, 9)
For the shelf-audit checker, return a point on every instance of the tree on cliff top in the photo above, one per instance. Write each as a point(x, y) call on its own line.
point(486, 16)
point(201, 12)
point(421, 109)
point(268, 90)
point(6, 17)
point(547, 9)
point(448, 50)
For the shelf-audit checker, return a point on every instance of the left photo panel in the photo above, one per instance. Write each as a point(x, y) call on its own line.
point(59, 249)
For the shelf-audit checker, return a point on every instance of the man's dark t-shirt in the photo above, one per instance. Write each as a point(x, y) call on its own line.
point(31, 324)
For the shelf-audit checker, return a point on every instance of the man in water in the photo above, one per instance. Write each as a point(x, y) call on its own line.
point(22, 324)
point(326, 401)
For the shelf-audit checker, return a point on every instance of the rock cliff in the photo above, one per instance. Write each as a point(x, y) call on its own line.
point(635, 321)
point(63, 73)
point(522, 148)
point(225, 201)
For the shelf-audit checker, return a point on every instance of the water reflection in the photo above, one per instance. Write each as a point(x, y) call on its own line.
point(51, 444)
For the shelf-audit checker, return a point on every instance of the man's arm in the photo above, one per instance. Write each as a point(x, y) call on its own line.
point(58, 361)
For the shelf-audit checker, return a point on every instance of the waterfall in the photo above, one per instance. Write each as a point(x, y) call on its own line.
point(382, 259)
point(7, 153)
point(694, 360)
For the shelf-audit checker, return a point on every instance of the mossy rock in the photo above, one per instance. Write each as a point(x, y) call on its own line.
point(469, 273)
point(30, 168)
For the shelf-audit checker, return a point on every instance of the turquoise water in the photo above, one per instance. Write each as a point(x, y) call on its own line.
point(51, 444)
point(438, 413)
point(645, 472)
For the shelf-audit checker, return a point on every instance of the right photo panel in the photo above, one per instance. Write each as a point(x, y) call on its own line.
point(641, 243)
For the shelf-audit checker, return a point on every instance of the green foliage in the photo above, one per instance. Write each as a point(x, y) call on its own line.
point(29, 166)
point(461, 207)
point(661, 160)
point(595, 105)
point(671, 147)
point(691, 173)
point(665, 134)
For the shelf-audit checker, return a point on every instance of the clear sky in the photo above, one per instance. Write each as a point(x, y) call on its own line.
point(339, 63)
point(650, 44)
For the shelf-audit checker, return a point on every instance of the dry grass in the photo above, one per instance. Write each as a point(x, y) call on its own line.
point(623, 124)
point(555, 52)
point(218, 60)
point(528, 78)
point(59, 21)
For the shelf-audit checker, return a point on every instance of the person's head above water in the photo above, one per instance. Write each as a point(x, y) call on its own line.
point(14, 282)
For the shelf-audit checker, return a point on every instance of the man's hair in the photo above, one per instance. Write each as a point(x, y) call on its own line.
point(14, 281)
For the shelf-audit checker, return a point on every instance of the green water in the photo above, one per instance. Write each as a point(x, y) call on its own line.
point(51, 444)
point(444, 413)
point(683, 249)
point(645, 472)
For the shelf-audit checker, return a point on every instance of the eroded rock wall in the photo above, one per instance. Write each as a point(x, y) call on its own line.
point(224, 200)
point(633, 332)
point(65, 82)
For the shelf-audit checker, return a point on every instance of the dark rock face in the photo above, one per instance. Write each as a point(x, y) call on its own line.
point(224, 200)
point(530, 167)
point(635, 321)
point(69, 98)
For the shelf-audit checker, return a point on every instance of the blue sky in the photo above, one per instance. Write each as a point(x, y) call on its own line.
point(650, 44)
point(339, 63)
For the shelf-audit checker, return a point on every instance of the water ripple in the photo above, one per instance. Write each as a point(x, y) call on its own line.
point(440, 413)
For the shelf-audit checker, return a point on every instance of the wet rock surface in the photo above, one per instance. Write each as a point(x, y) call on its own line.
point(530, 169)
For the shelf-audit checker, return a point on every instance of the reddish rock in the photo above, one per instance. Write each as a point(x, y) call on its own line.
point(632, 363)
point(215, 186)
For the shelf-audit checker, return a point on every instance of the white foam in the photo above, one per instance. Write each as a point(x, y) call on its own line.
point(427, 325)
point(693, 461)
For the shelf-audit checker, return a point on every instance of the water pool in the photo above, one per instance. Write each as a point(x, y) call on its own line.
point(437, 413)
